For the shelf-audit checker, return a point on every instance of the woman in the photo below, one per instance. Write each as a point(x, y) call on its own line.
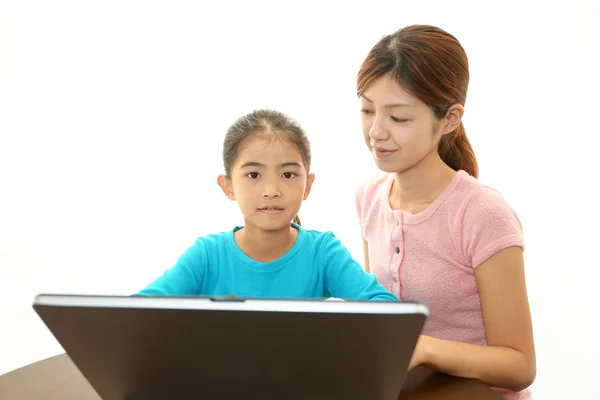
point(432, 232)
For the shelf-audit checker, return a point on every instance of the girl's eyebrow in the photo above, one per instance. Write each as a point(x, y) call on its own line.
point(261, 165)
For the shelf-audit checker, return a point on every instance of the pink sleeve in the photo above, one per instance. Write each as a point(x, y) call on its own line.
point(489, 225)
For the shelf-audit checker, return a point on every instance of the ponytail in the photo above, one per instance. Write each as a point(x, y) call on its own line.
point(296, 220)
point(456, 151)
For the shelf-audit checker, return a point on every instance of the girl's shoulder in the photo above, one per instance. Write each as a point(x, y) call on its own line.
point(216, 237)
point(314, 235)
point(320, 240)
point(216, 242)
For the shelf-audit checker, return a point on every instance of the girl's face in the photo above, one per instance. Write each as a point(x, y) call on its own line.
point(400, 130)
point(269, 181)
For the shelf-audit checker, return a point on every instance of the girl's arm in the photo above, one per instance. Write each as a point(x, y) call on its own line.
point(184, 278)
point(345, 278)
point(508, 360)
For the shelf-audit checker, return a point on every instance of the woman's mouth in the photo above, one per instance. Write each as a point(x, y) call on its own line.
point(382, 153)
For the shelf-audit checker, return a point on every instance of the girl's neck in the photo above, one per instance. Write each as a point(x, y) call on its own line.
point(415, 189)
point(265, 246)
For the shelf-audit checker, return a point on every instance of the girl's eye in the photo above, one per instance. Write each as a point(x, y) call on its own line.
point(365, 111)
point(253, 175)
point(399, 119)
point(289, 175)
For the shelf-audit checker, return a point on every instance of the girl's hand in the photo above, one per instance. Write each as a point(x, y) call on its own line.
point(421, 354)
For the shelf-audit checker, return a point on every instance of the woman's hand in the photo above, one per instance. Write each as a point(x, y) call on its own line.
point(421, 354)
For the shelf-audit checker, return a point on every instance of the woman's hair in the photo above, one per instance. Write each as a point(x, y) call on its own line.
point(430, 64)
point(264, 122)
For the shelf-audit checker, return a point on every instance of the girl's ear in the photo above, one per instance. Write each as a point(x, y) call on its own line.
point(309, 182)
point(226, 186)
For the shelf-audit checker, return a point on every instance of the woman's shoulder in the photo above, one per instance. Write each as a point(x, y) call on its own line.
point(484, 222)
point(479, 198)
point(370, 184)
point(372, 189)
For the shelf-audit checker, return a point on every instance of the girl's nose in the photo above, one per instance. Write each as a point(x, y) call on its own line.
point(271, 190)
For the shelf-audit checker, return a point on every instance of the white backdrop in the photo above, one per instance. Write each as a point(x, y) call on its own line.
point(112, 115)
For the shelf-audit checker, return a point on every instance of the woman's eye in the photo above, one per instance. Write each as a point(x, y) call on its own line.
point(399, 119)
point(253, 175)
point(365, 111)
point(289, 175)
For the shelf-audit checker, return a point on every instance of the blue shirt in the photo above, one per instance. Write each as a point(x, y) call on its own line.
point(317, 266)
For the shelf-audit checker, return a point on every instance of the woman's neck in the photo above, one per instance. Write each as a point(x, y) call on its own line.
point(415, 189)
point(265, 246)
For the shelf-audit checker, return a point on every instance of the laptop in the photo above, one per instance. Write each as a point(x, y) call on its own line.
point(156, 348)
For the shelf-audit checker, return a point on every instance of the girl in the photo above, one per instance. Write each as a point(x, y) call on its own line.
point(432, 232)
point(267, 162)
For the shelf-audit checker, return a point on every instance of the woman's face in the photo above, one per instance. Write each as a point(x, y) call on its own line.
point(399, 129)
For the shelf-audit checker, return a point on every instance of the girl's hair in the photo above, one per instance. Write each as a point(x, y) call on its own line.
point(430, 64)
point(264, 122)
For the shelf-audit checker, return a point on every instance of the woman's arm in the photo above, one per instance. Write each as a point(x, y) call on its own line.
point(508, 360)
point(366, 255)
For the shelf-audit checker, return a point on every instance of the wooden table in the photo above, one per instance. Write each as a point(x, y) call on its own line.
point(57, 378)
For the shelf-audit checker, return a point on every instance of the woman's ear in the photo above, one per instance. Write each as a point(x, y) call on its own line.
point(226, 186)
point(309, 182)
point(453, 118)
